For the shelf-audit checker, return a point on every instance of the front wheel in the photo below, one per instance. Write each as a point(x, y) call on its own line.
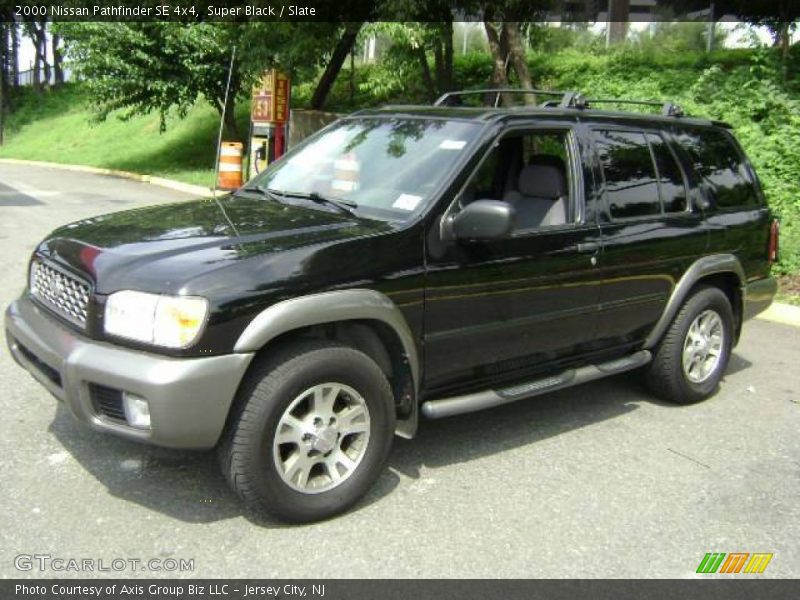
point(691, 359)
point(312, 433)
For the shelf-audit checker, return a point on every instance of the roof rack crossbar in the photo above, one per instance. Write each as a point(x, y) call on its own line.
point(566, 97)
point(668, 109)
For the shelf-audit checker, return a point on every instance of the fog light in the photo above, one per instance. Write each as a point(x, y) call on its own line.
point(137, 410)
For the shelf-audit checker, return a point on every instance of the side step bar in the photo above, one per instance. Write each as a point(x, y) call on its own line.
point(446, 407)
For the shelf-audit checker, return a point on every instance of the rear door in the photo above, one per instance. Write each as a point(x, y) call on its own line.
point(652, 230)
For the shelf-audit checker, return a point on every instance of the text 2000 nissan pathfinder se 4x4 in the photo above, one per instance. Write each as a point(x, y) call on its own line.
point(404, 261)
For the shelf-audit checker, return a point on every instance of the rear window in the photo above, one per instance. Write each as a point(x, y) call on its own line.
point(670, 178)
point(720, 166)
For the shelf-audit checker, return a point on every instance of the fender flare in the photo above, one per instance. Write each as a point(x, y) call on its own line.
point(336, 306)
point(702, 267)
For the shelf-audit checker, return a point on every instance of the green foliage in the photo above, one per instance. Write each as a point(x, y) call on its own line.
point(547, 39)
point(766, 118)
point(58, 126)
point(140, 68)
point(677, 36)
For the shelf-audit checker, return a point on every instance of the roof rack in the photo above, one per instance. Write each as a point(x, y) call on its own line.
point(668, 109)
point(568, 99)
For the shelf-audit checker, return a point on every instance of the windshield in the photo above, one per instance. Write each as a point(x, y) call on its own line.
point(386, 168)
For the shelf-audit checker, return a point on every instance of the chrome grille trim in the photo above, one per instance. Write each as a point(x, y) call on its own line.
point(65, 294)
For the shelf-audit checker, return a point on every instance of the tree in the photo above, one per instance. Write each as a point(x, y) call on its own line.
point(8, 63)
point(414, 42)
point(506, 41)
point(156, 66)
point(58, 59)
point(618, 15)
point(343, 47)
point(36, 30)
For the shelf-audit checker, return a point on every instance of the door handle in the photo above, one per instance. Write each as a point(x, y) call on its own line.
point(587, 247)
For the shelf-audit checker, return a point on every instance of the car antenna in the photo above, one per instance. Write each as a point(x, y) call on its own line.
point(219, 143)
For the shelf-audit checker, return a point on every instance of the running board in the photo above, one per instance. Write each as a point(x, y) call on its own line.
point(446, 407)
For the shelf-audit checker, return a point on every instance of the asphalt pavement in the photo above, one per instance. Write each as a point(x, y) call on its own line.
point(596, 481)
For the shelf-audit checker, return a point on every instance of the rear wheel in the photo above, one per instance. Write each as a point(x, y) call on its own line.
point(312, 432)
point(691, 359)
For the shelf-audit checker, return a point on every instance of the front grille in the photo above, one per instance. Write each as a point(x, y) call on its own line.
point(68, 296)
point(107, 401)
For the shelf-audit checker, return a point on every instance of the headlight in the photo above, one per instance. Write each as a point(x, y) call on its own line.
point(169, 321)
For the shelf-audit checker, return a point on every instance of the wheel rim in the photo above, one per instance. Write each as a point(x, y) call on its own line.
point(702, 349)
point(321, 438)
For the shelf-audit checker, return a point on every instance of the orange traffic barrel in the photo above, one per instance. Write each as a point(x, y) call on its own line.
point(346, 172)
point(230, 166)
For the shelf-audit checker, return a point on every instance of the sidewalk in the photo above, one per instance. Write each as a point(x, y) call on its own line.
point(152, 179)
point(782, 313)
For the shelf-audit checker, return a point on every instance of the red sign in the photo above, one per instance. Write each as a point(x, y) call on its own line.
point(271, 98)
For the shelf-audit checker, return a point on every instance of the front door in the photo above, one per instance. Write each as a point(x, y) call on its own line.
point(498, 311)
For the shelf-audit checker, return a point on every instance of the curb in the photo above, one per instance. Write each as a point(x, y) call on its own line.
point(785, 314)
point(151, 179)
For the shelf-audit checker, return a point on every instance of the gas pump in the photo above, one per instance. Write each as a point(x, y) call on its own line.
point(268, 120)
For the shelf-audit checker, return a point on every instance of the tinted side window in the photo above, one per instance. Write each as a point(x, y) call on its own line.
point(530, 171)
point(670, 179)
point(719, 164)
point(631, 185)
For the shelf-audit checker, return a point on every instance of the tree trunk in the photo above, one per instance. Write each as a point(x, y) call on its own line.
point(4, 64)
point(427, 77)
point(498, 46)
point(5, 61)
point(37, 32)
point(343, 48)
point(37, 70)
point(58, 60)
point(15, 55)
point(447, 68)
point(438, 65)
point(517, 54)
point(618, 15)
point(230, 130)
point(43, 50)
point(352, 80)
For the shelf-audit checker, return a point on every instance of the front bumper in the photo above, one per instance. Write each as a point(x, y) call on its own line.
point(189, 398)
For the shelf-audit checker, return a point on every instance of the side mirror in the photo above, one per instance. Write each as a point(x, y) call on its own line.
point(484, 220)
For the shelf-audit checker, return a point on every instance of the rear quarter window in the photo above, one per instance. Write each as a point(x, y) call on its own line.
point(720, 166)
point(631, 183)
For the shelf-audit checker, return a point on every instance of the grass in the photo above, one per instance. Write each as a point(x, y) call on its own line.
point(58, 127)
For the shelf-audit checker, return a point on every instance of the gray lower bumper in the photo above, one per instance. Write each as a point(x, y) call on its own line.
point(758, 295)
point(189, 397)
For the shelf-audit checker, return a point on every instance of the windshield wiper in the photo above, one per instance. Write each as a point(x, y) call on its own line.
point(273, 194)
point(345, 206)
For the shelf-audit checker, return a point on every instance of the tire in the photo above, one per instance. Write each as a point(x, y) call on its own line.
point(335, 411)
point(686, 343)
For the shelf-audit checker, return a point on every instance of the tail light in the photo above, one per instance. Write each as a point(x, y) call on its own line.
point(774, 235)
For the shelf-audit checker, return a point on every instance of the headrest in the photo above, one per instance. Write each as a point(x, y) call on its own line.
point(542, 181)
point(547, 159)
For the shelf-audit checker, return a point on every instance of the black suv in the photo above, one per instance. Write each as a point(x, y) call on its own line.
point(405, 260)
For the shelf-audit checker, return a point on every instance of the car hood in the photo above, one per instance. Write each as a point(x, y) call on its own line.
point(165, 247)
